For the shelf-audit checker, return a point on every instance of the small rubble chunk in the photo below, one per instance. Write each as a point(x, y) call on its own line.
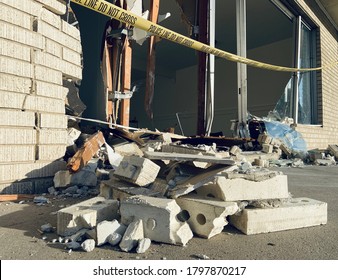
point(114, 238)
point(105, 228)
point(296, 213)
point(132, 236)
point(47, 228)
point(88, 245)
point(143, 245)
point(139, 171)
point(159, 217)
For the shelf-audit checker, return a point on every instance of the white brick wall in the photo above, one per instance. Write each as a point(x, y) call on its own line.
point(37, 51)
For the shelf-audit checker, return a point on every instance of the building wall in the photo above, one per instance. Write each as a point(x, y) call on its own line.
point(320, 136)
point(38, 52)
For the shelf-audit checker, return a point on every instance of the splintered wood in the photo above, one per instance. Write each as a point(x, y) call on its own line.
point(85, 154)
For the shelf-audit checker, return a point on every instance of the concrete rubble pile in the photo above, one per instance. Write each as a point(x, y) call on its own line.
point(154, 189)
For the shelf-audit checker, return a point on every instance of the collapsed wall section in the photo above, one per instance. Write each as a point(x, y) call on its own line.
point(39, 51)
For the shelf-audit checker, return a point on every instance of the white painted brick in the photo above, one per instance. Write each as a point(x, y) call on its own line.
point(16, 67)
point(52, 136)
point(27, 6)
point(71, 56)
point(17, 136)
point(27, 170)
point(44, 104)
point(15, 16)
point(242, 189)
point(21, 35)
point(53, 121)
point(12, 100)
point(51, 90)
point(48, 60)
point(56, 35)
point(86, 214)
point(298, 213)
point(54, 5)
point(53, 48)
point(51, 152)
point(17, 153)
point(71, 30)
point(16, 118)
point(15, 84)
point(48, 75)
point(51, 18)
point(15, 50)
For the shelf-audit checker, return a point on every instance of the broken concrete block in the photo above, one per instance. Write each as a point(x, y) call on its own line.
point(114, 238)
point(143, 245)
point(130, 149)
point(88, 245)
point(159, 217)
point(297, 213)
point(267, 148)
point(62, 179)
point(333, 149)
point(132, 235)
point(105, 228)
point(329, 160)
point(242, 189)
point(113, 158)
point(139, 171)
point(235, 150)
point(264, 139)
point(119, 190)
point(86, 214)
point(206, 217)
point(160, 186)
point(85, 154)
point(261, 162)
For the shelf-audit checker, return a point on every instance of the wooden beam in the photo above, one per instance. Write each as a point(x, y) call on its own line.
point(202, 65)
point(151, 62)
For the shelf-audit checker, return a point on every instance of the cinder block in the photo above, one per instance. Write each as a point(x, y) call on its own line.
point(15, 84)
point(27, 6)
point(116, 189)
point(52, 120)
point(17, 153)
point(17, 136)
point(242, 189)
point(133, 234)
point(71, 30)
point(44, 104)
point(15, 50)
point(28, 170)
point(54, 6)
point(267, 148)
point(106, 228)
point(51, 152)
point(48, 75)
point(159, 216)
point(52, 136)
point(130, 149)
point(15, 16)
point(298, 213)
point(21, 35)
point(16, 118)
point(264, 138)
point(53, 48)
point(51, 90)
point(16, 67)
point(86, 214)
point(206, 217)
point(137, 170)
point(71, 56)
point(51, 18)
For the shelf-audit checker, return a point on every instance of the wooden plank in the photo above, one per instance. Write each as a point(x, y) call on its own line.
point(150, 77)
point(15, 197)
point(187, 157)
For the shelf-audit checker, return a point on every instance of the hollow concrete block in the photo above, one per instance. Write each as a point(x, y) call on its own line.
point(296, 213)
point(160, 219)
point(206, 217)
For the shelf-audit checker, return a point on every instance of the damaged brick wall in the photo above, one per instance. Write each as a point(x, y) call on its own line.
point(39, 51)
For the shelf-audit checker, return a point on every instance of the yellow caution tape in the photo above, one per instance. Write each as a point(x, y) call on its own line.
point(127, 17)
